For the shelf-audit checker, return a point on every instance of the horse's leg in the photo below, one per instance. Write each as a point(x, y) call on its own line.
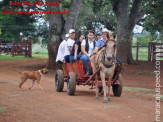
point(104, 85)
point(96, 82)
point(109, 85)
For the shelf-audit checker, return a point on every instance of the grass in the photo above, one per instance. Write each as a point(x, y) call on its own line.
point(2, 109)
point(9, 57)
point(137, 89)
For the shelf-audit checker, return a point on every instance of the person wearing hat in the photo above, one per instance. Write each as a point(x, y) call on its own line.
point(60, 54)
point(87, 46)
point(102, 41)
point(70, 43)
point(76, 49)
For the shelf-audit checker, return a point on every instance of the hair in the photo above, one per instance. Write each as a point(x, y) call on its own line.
point(91, 31)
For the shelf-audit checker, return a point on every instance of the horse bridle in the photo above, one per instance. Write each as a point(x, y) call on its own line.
point(103, 60)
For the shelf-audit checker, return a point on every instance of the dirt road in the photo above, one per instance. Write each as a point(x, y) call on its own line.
point(136, 104)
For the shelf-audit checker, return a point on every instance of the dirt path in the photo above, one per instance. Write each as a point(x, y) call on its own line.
point(135, 105)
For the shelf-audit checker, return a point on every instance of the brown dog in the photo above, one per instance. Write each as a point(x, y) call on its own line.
point(34, 76)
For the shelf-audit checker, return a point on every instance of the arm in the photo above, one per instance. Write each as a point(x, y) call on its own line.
point(75, 53)
point(70, 48)
point(83, 50)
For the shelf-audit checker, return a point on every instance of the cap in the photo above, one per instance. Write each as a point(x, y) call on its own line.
point(99, 34)
point(71, 31)
point(67, 35)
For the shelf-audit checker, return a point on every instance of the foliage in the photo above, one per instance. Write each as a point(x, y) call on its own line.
point(143, 40)
point(153, 22)
point(95, 15)
point(11, 25)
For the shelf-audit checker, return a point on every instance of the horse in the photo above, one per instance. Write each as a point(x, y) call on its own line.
point(104, 59)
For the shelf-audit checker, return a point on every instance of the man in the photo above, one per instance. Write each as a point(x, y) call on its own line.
point(99, 36)
point(60, 54)
point(87, 46)
point(70, 43)
point(104, 38)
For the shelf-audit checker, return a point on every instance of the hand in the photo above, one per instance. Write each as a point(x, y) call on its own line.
point(75, 58)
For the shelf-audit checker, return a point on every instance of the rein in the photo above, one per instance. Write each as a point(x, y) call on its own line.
point(103, 60)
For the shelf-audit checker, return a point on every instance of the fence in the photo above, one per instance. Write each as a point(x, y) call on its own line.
point(17, 48)
point(154, 49)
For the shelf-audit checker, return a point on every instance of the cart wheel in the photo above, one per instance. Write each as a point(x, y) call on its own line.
point(117, 89)
point(100, 89)
point(59, 81)
point(71, 83)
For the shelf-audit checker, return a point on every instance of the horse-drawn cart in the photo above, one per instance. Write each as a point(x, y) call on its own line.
point(73, 74)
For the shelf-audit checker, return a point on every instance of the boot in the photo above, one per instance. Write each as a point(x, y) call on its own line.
point(87, 72)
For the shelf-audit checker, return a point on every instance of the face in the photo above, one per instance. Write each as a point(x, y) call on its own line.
point(104, 36)
point(98, 37)
point(44, 71)
point(110, 49)
point(82, 38)
point(66, 38)
point(90, 36)
point(72, 35)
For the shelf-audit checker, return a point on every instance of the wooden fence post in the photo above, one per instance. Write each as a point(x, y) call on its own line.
point(149, 51)
point(26, 51)
point(12, 48)
point(137, 51)
point(7, 48)
point(154, 53)
point(29, 46)
point(0, 45)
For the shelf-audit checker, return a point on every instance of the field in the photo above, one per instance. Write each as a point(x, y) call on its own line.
point(137, 103)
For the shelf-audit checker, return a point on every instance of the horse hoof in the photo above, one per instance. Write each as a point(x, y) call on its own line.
point(105, 101)
point(97, 97)
point(109, 99)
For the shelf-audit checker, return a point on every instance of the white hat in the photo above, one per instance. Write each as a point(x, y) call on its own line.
point(67, 35)
point(104, 30)
point(71, 31)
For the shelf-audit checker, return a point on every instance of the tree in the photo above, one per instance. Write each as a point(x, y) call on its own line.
point(127, 14)
point(153, 22)
point(58, 26)
point(11, 25)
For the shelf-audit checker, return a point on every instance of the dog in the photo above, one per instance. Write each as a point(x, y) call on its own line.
point(32, 75)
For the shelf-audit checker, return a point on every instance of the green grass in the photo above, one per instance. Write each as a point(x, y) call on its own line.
point(9, 57)
point(137, 89)
point(2, 109)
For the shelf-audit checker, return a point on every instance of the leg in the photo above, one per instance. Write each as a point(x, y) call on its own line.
point(96, 81)
point(32, 85)
point(39, 86)
point(104, 85)
point(23, 80)
point(67, 58)
point(85, 60)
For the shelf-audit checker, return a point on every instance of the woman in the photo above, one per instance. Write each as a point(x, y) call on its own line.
point(76, 49)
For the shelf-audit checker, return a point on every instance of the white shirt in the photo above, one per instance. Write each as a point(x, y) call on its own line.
point(70, 42)
point(60, 54)
point(91, 46)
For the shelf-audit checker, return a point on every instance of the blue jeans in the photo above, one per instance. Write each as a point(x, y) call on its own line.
point(85, 60)
point(67, 58)
point(72, 58)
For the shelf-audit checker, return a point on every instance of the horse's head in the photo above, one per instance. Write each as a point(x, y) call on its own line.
point(110, 47)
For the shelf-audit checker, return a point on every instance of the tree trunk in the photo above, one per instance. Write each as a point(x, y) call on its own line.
point(126, 20)
point(72, 15)
point(58, 27)
point(124, 49)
